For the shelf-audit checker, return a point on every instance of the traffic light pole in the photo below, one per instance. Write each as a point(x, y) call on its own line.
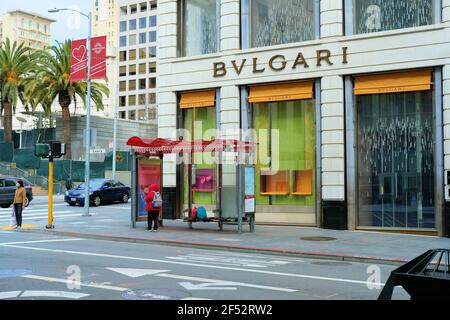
point(50, 193)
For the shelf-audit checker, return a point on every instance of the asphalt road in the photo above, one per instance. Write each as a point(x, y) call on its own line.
point(38, 266)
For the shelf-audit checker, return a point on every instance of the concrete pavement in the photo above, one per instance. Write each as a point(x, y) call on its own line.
point(112, 222)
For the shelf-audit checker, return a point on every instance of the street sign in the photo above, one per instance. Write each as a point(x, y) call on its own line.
point(98, 151)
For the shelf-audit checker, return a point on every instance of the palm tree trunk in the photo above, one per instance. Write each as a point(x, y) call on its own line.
point(66, 131)
point(7, 121)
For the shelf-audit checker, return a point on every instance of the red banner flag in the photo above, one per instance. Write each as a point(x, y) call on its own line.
point(79, 59)
point(98, 58)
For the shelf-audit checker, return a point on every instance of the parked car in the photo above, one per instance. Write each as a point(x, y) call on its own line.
point(8, 190)
point(101, 191)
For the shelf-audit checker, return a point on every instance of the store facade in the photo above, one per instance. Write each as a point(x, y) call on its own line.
point(347, 105)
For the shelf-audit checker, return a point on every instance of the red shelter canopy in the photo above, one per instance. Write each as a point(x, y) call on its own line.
point(160, 146)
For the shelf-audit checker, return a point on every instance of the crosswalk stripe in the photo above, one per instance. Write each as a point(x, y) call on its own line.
point(34, 213)
point(43, 217)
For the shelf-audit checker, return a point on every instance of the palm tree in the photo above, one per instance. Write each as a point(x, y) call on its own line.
point(16, 62)
point(53, 81)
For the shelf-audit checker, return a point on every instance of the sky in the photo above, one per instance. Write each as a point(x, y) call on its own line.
point(68, 25)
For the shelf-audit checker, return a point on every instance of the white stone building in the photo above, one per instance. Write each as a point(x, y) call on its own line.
point(359, 91)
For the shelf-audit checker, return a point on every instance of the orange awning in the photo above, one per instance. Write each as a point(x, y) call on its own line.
point(393, 82)
point(281, 92)
point(198, 99)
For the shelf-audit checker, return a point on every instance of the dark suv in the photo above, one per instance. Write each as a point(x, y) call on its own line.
point(8, 190)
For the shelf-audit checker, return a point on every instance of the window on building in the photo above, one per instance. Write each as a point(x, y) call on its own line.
point(152, 98)
point(143, 6)
point(143, 23)
point(123, 41)
point(122, 101)
point(152, 114)
point(152, 67)
point(122, 86)
point(133, 9)
point(122, 71)
point(142, 68)
point(142, 38)
point(153, 5)
point(123, 11)
point(132, 115)
point(141, 98)
point(132, 54)
point(142, 115)
point(152, 83)
point(122, 114)
point(382, 15)
point(152, 36)
point(152, 21)
point(123, 26)
point(142, 53)
point(132, 85)
point(132, 70)
point(277, 22)
point(132, 100)
point(142, 84)
point(197, 23)
point(132, 40)
point(132, 24)
point(123, 56)
point(152, 52)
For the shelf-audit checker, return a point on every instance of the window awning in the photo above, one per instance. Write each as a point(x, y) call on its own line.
point(393, 82)
point(198, 99)
point(160, 146)
point(281, 92)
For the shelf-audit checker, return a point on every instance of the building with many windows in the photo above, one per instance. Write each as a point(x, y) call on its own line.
point(137, 60)
point(31, 29)
point(349, 100)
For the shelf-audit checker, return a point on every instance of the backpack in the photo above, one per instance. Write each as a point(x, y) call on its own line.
point(201, 213)
point(157, 200)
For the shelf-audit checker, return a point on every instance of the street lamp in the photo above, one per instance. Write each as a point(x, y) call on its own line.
point(88, 110)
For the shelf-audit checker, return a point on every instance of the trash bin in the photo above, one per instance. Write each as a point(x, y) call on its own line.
point(169, 203)
point(425, 277)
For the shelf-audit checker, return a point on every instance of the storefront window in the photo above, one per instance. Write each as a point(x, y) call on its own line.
point(395, 160)
point(277, 22)
point(290, 131)
point(197, 23)
point(382, 15)
point(203, 173)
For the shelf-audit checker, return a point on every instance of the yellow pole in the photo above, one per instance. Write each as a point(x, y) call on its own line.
point(50, 194)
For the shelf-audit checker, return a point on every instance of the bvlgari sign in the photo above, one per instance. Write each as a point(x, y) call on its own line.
point(279, 63)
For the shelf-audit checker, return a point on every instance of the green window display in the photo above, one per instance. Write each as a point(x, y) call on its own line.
point(286, 166)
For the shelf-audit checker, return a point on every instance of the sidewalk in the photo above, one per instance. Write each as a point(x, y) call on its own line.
point(343, 245)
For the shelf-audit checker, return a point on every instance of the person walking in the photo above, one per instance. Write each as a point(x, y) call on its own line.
point(69, 184)
point(153, 207)
point(20, 199)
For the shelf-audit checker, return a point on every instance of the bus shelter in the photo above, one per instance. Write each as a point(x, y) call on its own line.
point(233, 182)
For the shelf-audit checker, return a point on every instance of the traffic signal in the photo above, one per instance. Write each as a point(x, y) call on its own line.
point(42, 150)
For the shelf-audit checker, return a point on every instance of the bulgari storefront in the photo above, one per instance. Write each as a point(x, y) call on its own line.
point(348, 115)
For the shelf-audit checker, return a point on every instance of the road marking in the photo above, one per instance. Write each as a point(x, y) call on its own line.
point(9, 294)
point(40, 241)
point(136, 273)
point(205, 286)
point(24, 226)
point(39, 216)
point(54, 294)
point(294, 275)
point(75, 283)
point(222, 282)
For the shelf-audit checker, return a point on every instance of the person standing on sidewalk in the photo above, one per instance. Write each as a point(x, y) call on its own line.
point(20, 199)
point(153, 207)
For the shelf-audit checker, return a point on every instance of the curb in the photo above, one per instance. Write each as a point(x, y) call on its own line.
point(226, 247)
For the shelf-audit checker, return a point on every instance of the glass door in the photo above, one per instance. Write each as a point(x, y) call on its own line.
point(395, 148)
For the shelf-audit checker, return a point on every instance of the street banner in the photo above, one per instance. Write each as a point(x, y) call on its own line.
point(149, 172)
point(79, 57)
point(98, 58)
